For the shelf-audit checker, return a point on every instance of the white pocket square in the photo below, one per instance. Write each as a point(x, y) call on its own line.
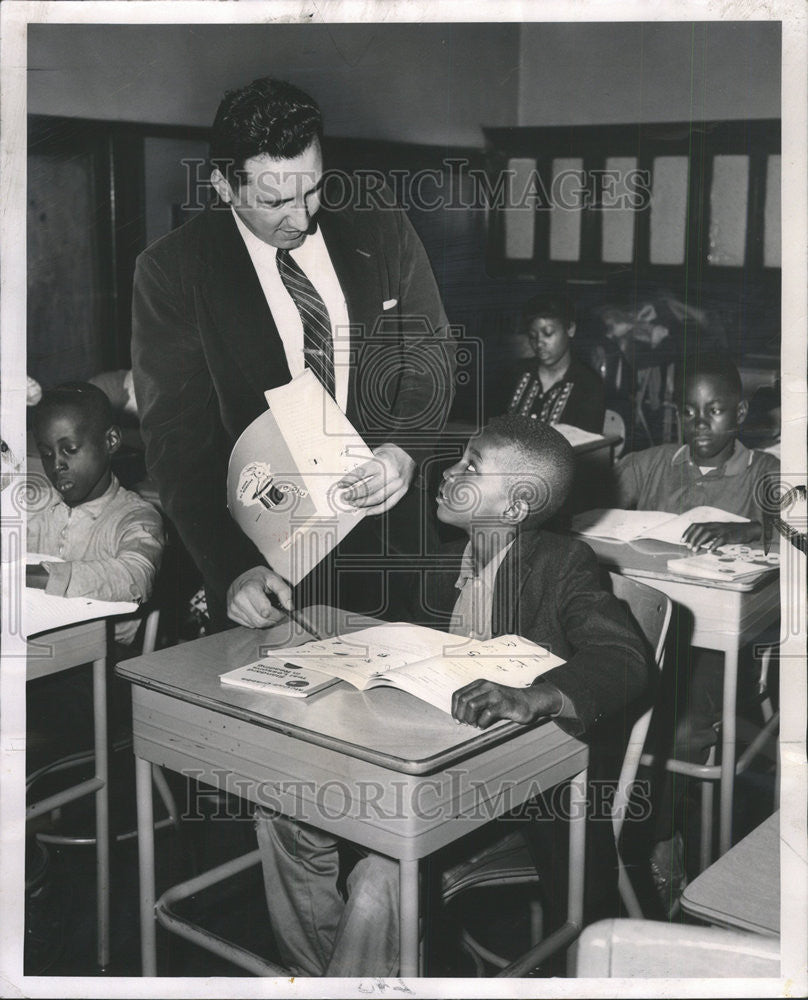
point(389, 303)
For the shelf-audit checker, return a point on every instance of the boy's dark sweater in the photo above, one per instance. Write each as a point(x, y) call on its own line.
point(548, 589)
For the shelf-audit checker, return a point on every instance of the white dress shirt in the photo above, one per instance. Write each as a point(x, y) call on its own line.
point(313, 258)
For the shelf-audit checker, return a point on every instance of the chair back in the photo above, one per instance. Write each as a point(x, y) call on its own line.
point(613, 423)
point(652, 613)
point(649, 948)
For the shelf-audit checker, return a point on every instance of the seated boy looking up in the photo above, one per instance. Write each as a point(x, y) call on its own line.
point(711, 468)
point(109, 540)
point(513, 577)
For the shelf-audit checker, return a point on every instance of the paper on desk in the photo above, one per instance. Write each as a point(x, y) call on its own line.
point(575, 435)
point(629, 525)
point(424, 662)
point(43, 612)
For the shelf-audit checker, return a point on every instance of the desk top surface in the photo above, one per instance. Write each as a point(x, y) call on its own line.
point(649, 558)
point(383, 726)
point(742, 888)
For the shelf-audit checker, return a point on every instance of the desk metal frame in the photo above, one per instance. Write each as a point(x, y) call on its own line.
point(406, 809)
point(51, 653)
point(724, 619)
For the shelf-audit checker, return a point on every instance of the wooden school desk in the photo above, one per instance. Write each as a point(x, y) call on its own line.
point(726, 616)
point(742, 889)
point(380, 768)
point(50, 653)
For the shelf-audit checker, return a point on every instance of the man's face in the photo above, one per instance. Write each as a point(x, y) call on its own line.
point(277, 199)
point(550, 339)
point(710, 416)
point(476, 489)
point(75, 455)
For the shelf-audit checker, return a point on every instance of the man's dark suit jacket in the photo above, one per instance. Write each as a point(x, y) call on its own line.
point(205, 348)
point(548, 589)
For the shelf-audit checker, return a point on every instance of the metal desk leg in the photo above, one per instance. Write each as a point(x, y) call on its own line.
point(102, 859)
point(145, 846)
point(577, 861)
point(728, 748)
point(408, 915)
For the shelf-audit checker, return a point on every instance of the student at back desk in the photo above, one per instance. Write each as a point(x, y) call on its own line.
point(711, 468)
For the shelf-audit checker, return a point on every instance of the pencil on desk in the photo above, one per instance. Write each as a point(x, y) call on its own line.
point(304, 623)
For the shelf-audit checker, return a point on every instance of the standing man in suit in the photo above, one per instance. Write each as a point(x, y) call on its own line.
point(243, 297)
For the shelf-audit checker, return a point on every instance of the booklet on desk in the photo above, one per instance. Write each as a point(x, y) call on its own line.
point(631, 525)
point(424, 662)
point(726, 564)
point(282, 476)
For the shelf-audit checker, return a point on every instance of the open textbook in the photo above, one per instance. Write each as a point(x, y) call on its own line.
point(424, 662)
point(282, 476)
point(43, 612)
point(630, 525)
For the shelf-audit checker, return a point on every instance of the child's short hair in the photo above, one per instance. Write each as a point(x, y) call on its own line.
point(548, 460)
point(548, 305)
point(80, 397)
point(718, 366)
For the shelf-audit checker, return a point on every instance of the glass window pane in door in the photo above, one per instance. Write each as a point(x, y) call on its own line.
point(566, 196)
point(729, 197)
point(669, 210)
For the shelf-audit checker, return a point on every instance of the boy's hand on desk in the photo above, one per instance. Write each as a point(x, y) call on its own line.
point(249, 598)
point(483, 703)
point(711, 534)
point(380, 483)
point(36, 576)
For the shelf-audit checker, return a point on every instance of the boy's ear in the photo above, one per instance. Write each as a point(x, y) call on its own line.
point(571, 330)
point(113, 438)
point(743, 409)
point(221, 186)
point(516, 512)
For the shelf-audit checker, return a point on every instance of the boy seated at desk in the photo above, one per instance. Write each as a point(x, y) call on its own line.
point(108, 541)
point(509, 575)
point(711, 468)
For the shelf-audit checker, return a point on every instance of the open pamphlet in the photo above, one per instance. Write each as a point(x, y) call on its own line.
point(283, 474)
point(43, 612)
point(729, 563)
point(424, 662)
point(630, 525)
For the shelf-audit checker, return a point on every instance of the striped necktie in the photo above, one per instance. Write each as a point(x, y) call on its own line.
point(318, 345)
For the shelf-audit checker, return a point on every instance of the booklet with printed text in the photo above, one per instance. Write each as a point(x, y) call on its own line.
point(424, 662)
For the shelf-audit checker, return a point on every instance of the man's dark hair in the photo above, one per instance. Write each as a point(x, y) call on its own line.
point(547, 459)
point(84, 398)
point(267, 116)
point(548, 305)
point(716, 366)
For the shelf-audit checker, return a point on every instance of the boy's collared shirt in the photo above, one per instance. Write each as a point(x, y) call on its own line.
point(475, 602)
point(111, 546)
point(473, 611)
point(666, 478)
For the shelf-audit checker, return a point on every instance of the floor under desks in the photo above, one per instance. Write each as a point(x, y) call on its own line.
point(61, 908)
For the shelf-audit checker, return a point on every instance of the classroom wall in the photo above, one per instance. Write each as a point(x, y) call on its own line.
point(407, 82)
point(588, 74)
